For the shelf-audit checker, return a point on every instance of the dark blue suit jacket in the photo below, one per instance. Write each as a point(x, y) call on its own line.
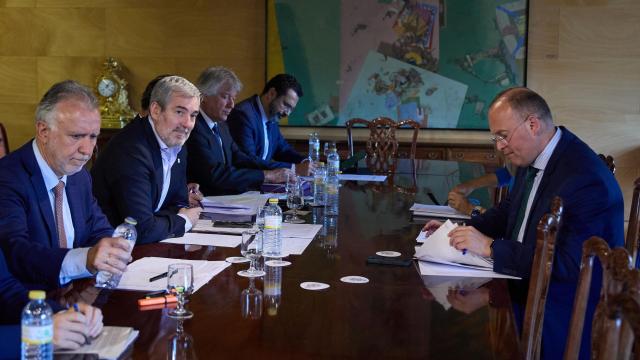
point(245, 124)
point(127, 178)
point(28, 234)
point(593, 205)
point(218, 174)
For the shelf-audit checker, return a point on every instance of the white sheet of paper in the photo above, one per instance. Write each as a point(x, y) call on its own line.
point(359, 177)
point(436, 248)
point(110, 344)
point(221, 240)
point(140, 271)
point(442, 211)
point(300, 230)
point(430, 268)
point(295, 246)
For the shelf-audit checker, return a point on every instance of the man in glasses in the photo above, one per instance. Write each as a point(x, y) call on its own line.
point(253, 124)
point(551, 161)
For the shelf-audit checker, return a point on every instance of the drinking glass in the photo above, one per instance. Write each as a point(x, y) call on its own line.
point(181, 346)
point(180, 283)
point(251, 301)
point(251, 248)
point(295, 200)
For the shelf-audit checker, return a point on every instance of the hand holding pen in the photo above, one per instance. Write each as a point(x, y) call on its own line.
point(76, 326)
point(469, 238)
point(195, 196)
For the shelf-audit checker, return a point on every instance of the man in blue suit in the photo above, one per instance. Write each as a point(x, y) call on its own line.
point(142, 170)
point(51, 228)
point(254, 124)
point(551, 161)
point(214, 160)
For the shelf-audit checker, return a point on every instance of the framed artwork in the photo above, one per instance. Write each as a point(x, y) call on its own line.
point(438, 62)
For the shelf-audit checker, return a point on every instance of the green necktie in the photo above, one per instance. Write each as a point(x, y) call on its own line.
point(528, 184)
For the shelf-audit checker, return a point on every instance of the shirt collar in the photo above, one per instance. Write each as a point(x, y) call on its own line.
point(543, 158)
point(48, 175)
point(208, 120)
point(173, 151)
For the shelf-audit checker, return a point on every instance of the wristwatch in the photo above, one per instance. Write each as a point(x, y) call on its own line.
point(477, 210)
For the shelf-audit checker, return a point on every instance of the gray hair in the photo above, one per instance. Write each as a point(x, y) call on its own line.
point(211, 79)
point(65, 90)
point(168, 86)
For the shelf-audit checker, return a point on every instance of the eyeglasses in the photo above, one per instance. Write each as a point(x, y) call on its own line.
point(497, 138)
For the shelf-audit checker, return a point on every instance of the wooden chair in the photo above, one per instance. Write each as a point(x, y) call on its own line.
point(539, 281)
point(4, 141)
point(608, 160)
point(382, 145)
point(616, 267)
point(623, 312)
point(633, 230)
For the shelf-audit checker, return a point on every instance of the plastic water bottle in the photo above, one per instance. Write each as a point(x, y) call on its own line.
point(273, 289)
point(37, 328)
point(319, 180)
point(332, 194)
point(333, 160)
point(314, 147)
point(272, 243)
point(127, 231)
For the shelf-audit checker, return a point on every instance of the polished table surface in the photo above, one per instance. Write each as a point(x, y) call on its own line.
point(393, 316)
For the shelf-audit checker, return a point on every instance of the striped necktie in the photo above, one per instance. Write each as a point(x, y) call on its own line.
point(58, 192)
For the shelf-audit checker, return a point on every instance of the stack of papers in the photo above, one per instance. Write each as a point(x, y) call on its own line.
point(222, 240)
point(439, 211)
point(206, 226)
point(140, 271)
point(296, 237)
point(110, 344)
point(243, 204)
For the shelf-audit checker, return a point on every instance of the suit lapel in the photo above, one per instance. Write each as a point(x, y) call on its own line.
point(37, 183)
point(259, 127)
point(225, 136)
point(154, 147)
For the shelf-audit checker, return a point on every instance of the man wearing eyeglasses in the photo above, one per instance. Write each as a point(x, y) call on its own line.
point(551, 161)
point(253, 124)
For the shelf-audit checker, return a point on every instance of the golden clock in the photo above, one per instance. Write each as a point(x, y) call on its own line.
point(111, 89)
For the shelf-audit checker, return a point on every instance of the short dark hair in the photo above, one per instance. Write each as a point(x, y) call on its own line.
point(525, 101)
point(282, 83)
point(145, 101)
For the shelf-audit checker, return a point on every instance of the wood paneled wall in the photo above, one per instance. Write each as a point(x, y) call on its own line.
point(584, 58)
point(46, 41)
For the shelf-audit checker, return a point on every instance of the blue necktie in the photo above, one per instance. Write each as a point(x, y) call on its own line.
point(216, 132)
point(528, 185)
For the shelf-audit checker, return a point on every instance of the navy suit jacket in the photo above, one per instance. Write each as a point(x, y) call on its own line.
point(128, 178)
point(593, 205)
point(28, 234)
point(245, 124)
point(219, 173)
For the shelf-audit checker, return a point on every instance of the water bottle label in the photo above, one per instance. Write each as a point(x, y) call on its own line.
point(332, 189)
point(37, 335)
point(272, 222)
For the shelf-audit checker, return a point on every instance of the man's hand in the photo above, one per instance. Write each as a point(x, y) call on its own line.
point(305, 168)
point(195, 196)
point(431, 226)
point(459, 202)
point(109, 254)
point(192, 213)
point(93, 317)
point(277, 176)
point(69, 330)
point(467, 237)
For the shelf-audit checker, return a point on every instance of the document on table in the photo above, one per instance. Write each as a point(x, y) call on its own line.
point(206, 226)
point(110, 344)
point(140, 271)
point(440, 211)
point(359, 177)
point(222, 240)
point(243, 204)
point(430, 268)
point(436, 248)
point(296, 237)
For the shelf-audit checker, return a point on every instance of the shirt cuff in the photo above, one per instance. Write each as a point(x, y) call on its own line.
point(187, 223)
point(74, 265)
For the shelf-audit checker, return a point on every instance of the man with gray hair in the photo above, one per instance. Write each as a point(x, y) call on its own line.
point(214, 160)
point(142, 171)
point(51, 228)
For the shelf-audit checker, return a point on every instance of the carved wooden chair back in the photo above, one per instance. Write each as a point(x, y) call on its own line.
point(382, 144)
point(539, 281)
point(4, 141)
point(633, 230)
point(616, 269)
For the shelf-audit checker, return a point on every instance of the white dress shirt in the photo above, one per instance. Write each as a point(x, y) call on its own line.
point(263, 115)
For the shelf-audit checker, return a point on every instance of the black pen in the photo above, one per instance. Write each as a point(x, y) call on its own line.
point(158, 277)
point(433, 198)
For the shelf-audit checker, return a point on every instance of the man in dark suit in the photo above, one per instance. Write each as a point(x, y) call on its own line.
point(214, 159)
point(254, 124)
point(51, 228)
point(551, 162)
point(142, 170)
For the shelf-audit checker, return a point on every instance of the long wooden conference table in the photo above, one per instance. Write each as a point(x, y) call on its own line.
point(394, 315)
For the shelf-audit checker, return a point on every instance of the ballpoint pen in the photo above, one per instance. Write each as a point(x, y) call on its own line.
point(158, 277)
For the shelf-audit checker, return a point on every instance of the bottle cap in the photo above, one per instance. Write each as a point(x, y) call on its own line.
point(37, 295)
point(273, 201)
point(130, 220)
point(321, 163)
